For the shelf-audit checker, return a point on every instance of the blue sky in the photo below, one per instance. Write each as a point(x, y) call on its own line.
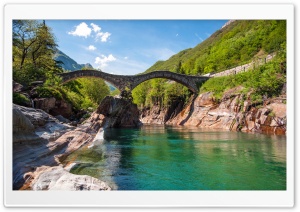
point(128, 46)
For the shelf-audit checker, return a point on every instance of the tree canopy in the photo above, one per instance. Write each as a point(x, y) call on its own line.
point(34, 47)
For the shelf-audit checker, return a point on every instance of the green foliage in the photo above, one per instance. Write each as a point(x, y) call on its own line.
point(272, 114)
point(158, 91)
point(20, 99)
point(231, 46)
point(238, 43)
point(47, 92)
point(51, 87)
point(114, 92)
point(86, 92)
point(266, 80)
point(33, 50)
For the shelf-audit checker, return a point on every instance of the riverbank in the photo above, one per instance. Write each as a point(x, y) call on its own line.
point(234, 112)
point(40, 144)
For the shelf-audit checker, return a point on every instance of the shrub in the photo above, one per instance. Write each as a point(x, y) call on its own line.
point(21, 99)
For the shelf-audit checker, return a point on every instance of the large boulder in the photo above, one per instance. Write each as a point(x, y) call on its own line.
point(23, 129)
point(57, 178)
point(118, 112)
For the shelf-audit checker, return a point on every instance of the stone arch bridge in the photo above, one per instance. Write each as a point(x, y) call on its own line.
point(123, 82)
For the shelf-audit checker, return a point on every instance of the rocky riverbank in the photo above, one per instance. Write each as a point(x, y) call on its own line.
point(41, 143)
point(233, 113)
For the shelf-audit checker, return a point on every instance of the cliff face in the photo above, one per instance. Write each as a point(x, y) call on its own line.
point(232, 113)
point(160, 115)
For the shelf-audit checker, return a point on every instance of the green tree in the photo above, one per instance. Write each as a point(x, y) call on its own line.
point(33, 49)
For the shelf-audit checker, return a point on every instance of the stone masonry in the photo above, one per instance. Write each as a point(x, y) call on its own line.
point(131, 81)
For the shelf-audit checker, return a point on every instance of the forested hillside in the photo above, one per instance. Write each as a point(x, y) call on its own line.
point(34, 51)
point(238, 43)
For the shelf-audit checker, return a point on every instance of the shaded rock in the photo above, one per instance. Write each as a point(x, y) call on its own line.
point(62, 119)
point(155, 115)
point(17, 87)
point(57, 178)
point(118, 112)
point(45, 104)
point(23, 129)
point(160, 115)
point(53, 106)
point(62, 108)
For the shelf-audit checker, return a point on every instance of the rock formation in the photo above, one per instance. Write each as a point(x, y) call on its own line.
point(231, 113)
point(53, 106)
point(115, 112)
point(41, 140)
point(57, 178)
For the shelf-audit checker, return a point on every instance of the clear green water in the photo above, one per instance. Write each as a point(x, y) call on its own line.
point(181, 158)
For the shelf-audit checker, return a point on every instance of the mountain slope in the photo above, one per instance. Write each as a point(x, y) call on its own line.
point(238, 43)
point(68, 63)
point(233, 45)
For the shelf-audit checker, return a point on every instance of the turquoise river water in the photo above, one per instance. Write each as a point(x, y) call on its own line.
point(182, 158)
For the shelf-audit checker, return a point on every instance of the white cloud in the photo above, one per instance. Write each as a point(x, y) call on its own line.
point(125, 58)
point(92, 48)
point(103, 60)
point(103, 36)
point(82, 30)
point(96, 28)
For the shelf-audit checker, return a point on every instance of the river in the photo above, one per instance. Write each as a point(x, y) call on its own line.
point(184, 158)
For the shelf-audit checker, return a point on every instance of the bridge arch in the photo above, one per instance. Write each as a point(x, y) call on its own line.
point(131, 81)
point(115, 80)
point(185, 80)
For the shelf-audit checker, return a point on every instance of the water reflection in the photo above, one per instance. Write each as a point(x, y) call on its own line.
point(181, 158)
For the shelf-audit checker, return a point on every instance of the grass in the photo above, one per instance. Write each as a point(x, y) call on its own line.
point(266, 80)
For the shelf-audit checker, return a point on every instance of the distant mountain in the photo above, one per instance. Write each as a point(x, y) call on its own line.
point(68, 63)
